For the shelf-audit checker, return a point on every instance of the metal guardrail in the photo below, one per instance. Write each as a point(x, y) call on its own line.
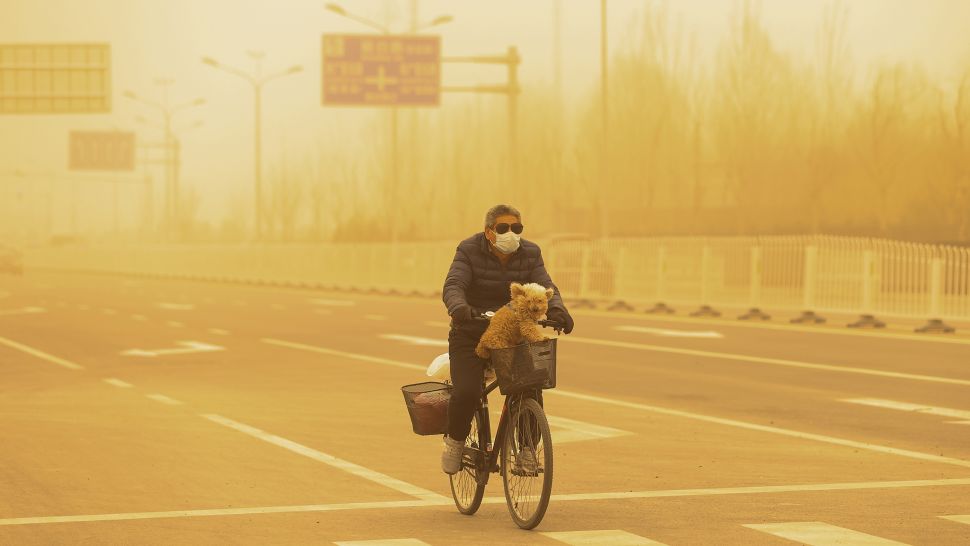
point(813, 275)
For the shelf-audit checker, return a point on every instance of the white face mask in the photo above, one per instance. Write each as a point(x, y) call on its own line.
point(507, 242)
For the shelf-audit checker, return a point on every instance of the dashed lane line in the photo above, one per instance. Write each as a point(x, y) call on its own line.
point(139, 318)
point(782, 327)
point(343, 354)
point(117, 383)
point(445, 501)
point(605, 537)
point(346, 466)
point(765, 360)
point(661, 410)
point(164, 399)
point(384, 542)
point(40, 354)
point(218, 331)
point(817, 533)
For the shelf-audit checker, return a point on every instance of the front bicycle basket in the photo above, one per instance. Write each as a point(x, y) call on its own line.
point(428, 407)
point(525, 366)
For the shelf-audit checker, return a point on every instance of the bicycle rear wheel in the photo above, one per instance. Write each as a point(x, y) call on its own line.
point(527, 463)
point(468, 484)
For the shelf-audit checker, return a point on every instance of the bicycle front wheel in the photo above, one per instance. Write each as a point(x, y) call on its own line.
point(468, 484)
point(527, 463)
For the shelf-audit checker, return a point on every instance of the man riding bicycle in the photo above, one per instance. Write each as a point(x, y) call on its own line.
point(484, 267)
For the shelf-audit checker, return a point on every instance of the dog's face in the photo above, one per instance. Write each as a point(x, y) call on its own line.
point(531, 300)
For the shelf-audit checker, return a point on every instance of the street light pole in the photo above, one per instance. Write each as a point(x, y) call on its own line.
point(257, 81)
point(605, 115)
point(172, 163)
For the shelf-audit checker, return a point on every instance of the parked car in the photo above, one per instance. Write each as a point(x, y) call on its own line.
point(11, 260)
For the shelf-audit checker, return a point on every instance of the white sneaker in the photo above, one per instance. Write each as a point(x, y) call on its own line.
point(525, 461)
point(451, 456)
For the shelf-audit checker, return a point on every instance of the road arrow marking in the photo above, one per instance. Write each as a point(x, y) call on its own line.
point(23, 311)
point(669, 333)
point(413, 340)
point(187, 347)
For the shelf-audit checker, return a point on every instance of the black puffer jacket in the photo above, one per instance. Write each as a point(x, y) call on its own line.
point(477, 278)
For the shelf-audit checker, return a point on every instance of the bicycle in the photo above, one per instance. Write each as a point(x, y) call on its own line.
point(524, 457)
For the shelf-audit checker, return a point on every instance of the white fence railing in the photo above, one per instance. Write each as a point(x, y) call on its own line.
point(820, 274)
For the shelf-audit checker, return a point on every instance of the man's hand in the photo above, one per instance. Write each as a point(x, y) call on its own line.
point(464, 313)
point(562, 317)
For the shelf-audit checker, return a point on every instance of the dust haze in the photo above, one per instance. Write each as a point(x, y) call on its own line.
point(720, 118)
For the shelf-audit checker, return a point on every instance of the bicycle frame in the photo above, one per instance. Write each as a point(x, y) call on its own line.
point(490, 453)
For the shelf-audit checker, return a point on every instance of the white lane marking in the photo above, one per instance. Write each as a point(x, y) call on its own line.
point(277, 307)
point(117, 383)
point(569, 430)
point(445, 501)
point(384, 542)
point(219, 331)
point(437, 324)
point(764, 428)
point(175, 306)
point(187, 347)
point(337, 303)
point(139, 318)
point(346, 466)
point(606, 537)
point(783, 327)
point(915, 408)
point(175, 324)
point(817, 533)
point(40, 354)
point(763, 360)
point(669, 333)
point(109, 311)
point(578, 431)
point(227, 512)
point(657, 409)
point(164, 399)
point(375, 317)
point(342, 354)
point(413, 340)
point(23, 311)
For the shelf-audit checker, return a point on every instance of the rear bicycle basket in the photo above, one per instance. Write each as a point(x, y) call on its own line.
point(428, 407)
point(525, 366)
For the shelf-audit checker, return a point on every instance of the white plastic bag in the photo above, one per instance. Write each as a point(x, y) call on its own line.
point(440, 368)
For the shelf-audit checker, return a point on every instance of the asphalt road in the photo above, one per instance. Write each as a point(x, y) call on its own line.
point(141, 411)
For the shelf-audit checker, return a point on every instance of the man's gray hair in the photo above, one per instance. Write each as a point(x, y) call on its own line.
point(500, 210)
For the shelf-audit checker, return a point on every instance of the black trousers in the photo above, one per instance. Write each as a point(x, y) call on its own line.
point(467, 377)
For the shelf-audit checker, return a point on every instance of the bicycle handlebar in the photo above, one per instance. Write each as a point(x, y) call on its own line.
point(554, 324)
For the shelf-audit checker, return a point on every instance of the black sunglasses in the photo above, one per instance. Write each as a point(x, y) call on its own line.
point(503, 227)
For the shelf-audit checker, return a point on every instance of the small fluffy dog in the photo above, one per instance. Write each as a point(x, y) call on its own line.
point(518, 321)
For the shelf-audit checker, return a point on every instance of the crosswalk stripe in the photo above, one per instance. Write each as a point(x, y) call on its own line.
point(958, 519)
point(388, 542)
point(817, 533)
point(608, 537)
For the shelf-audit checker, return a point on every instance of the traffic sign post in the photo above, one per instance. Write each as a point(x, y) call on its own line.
point(101, 151)
point(381, 70)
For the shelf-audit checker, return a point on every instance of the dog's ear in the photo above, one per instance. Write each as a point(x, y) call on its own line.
point(517, 289)
point(550, 293)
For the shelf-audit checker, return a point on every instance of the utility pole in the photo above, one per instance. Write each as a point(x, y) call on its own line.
point(605, 115)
